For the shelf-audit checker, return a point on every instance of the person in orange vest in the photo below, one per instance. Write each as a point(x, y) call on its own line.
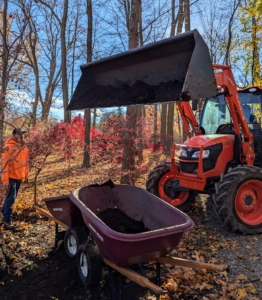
point(14, 171)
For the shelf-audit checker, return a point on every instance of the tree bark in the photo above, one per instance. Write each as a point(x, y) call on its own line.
point(256, 78)
point(163, 130)
point(170, 126)
point(4, 61)
point(64, 62)
point(89, 11)
point(155, 126)
point(128, 163)
point(94, 118)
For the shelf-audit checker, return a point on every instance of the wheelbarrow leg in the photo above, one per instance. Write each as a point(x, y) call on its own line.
point(112, 283)
point(59, 235)
point(56, 235)
point(158, 273)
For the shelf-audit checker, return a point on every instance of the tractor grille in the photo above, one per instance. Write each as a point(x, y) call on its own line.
point(188, 167)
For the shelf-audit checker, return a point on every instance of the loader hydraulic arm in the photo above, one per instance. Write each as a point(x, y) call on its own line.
point(225, 81)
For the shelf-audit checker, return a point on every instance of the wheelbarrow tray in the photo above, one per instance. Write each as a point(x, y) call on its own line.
point(166, 223)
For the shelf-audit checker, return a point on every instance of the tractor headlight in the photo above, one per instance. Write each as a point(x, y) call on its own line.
point(183, 152)
point(196, 154)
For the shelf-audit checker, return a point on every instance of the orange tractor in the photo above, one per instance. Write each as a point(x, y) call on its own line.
point(222, 156)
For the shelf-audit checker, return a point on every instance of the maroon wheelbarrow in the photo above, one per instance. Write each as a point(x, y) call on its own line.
point(94, 244)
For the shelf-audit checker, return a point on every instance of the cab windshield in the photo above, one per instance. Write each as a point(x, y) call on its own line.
point(215, 111)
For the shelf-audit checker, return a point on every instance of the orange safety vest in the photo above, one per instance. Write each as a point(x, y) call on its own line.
point(14, 161)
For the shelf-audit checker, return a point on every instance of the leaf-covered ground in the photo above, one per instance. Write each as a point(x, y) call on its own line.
point(30, 267)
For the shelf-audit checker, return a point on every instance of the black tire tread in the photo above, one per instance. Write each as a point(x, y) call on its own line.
point(94, 264)
point(80, 234)
point(227, 189)
point(154, 178)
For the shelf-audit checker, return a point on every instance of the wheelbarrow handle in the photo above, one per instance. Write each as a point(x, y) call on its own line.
point(134, 276)
point(189, 263)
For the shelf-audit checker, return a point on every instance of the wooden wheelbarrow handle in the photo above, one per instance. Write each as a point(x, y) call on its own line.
point(134, 276)
point(189, 263)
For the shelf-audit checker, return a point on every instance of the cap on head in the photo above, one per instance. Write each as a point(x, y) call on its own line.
point(18, 131)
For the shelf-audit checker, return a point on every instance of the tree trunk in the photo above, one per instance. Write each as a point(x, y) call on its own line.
point(170, 126)
point(181, 17)
point(64, 62)
point(256, 78)
point(94, 118)
point(86, 160)
point(89, 11)
point(4, 61)
point(128, 163)
point(155, 126)
point(187, 15)
point(163, 131)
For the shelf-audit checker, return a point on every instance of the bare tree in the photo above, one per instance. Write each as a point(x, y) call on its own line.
point(62, 23)
point(11, 50)
point(128, 163)
point(89, 12)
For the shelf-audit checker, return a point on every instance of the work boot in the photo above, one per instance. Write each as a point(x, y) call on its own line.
point(9, 226)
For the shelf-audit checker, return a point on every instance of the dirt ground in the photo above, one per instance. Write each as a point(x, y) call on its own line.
point(31, 267)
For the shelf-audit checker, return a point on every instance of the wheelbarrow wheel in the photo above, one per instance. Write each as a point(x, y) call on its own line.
point(73, 238)
point(89, 264)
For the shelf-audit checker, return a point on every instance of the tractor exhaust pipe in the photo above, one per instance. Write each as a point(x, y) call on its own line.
point(175, 69)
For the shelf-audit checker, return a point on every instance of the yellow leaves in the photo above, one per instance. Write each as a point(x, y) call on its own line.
point(171, 285)
point(250, 288)
point(242, 293)
point(255, 258)
point(52, 222)
point(38, 251)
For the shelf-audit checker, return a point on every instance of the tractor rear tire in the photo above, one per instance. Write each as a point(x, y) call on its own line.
point(73, 238)
point(89, 264)
point(157, 184)
point(239, 199)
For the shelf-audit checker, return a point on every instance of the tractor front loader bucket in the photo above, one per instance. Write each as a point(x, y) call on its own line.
point(175, 69)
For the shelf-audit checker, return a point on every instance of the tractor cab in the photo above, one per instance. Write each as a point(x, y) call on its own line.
point(216, 117)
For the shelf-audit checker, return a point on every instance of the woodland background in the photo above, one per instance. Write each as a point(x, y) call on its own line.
point(42, 45)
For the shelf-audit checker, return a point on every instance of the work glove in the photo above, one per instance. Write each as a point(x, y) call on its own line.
point(6, 187)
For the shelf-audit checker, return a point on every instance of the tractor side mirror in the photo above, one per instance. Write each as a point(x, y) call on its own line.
point(194, 104)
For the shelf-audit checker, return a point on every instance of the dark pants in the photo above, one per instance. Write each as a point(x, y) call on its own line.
point(10, 199)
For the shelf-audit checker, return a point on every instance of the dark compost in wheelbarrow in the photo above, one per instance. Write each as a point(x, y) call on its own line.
point(120, 222)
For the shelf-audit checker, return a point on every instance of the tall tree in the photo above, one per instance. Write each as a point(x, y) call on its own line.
point(62, 23)
point(12, 34)
point(128, 163)
point(89, 12)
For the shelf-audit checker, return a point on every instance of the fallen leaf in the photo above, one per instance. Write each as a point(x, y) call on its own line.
point(241, 277)
point(242, 293)
point(241, 256)
point(171, 285)
point(251, 289)
point(254, 258)
point(18, 273)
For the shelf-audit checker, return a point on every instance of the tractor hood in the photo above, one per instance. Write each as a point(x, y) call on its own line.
point(175, 69)
point(209, 140)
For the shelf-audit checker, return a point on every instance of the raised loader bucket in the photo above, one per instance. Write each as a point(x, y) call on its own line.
point(175, 69)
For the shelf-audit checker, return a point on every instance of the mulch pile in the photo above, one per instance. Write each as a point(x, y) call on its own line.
point(120, 222)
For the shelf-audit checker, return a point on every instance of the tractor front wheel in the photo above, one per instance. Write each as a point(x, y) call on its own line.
point(239, 199)
point(163, 184)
